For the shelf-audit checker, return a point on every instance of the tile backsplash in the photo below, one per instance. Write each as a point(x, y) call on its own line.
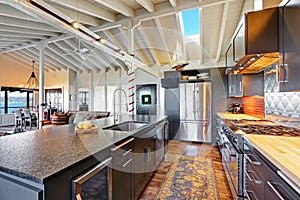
point(286, 104)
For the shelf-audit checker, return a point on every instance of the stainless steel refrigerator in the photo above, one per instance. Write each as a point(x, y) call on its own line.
point(195, 111)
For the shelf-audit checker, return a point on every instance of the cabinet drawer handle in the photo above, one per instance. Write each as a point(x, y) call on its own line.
point(275, 191)
point(127, 152)
point(250, 195)
point(255, 176)
point(148, 153)
point(121, 145)
point(251, 161)
point(128, 161)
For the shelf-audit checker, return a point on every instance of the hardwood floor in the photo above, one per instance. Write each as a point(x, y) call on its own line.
point(189, 149)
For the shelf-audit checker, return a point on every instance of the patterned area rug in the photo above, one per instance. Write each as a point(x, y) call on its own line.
point(189, 178)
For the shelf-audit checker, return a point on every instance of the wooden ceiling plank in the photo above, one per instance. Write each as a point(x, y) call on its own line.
point(59, 47)
point(162, 36)
point(222, 31)
point(30, 58)
point(173, 3)
point(118, 6)
point(81, 18)
point(28, 31)
point(147, 4)
point(51, 62)
point(25, 24)
point(87, 8)
point(6, 10)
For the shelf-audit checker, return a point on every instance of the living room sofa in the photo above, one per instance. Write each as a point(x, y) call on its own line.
point(71, 117)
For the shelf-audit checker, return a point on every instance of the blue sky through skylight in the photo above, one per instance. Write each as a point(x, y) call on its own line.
point(191, 22)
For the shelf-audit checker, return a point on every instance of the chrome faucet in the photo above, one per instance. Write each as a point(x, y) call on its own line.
point(114, 102)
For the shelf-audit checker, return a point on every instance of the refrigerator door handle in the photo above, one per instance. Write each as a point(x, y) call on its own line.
point(194, 102)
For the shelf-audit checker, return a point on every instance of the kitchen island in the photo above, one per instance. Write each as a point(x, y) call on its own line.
point(36, 158)
point(281, 153)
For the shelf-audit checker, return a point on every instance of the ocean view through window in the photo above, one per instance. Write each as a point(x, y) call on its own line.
point(15, 98)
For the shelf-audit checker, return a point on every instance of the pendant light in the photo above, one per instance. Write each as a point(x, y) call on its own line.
point(33, 82)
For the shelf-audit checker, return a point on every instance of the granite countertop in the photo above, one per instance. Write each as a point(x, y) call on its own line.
point(36, 155)
point(283, 152)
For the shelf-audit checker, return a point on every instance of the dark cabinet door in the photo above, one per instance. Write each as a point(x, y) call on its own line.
point(290, 53)
point(139, 166)
point(122, 172)
point(235, 87)
point(229, 56)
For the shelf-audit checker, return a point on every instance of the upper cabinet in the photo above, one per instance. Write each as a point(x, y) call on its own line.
point(256, 41)
point(289, 68)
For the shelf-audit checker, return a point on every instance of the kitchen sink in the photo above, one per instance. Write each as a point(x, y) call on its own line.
point(126, 126)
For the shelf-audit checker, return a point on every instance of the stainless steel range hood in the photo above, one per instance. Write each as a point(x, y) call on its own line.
point(256, 41)
point(255, 63)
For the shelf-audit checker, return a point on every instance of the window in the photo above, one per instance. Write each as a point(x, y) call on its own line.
point(191, 22)
point(1, 102)
point(15, 98)
point(54, 98)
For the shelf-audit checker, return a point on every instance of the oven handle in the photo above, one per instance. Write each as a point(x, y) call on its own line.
point(255, 176)
point(230, 152)
point(275, 191)
point(251, 161)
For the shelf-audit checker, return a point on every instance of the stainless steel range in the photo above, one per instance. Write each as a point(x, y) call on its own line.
point(230, 146)
point(265, 127)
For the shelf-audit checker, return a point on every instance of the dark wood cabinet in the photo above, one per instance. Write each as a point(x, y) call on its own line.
point(122, 172)
point(290, 47)
point(245, 85)
point(263, 179)
point(144, 159)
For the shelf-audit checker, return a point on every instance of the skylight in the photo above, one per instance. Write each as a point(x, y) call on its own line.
point(191, 22)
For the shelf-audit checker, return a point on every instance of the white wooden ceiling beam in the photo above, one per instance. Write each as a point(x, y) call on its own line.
point(55, 48)
point(6, 10)
point(72, 46)
point(55, 63)
point(36, 58)
point(87, 8)
point(17, 39)
point(118, 6)
point(147, 4)
point(25, 24)
point(81, 18)
point(173, 3)
point(180, 38)
point(222, 31)
point(56, 54)
point(164, 9)
point(28, 30)
point(4, 33)
point(31, 56)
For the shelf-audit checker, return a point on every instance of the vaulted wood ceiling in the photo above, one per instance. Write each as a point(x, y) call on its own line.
point(158, 41)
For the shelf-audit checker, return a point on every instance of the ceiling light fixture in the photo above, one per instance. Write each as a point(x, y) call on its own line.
point(33, 82)
point(68, 21)
point(76, 25)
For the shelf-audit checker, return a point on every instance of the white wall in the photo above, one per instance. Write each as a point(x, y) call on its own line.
point(14, 74)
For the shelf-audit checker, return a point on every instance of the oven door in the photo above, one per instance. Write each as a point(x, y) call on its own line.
point(233, 162)
point(94, 184)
